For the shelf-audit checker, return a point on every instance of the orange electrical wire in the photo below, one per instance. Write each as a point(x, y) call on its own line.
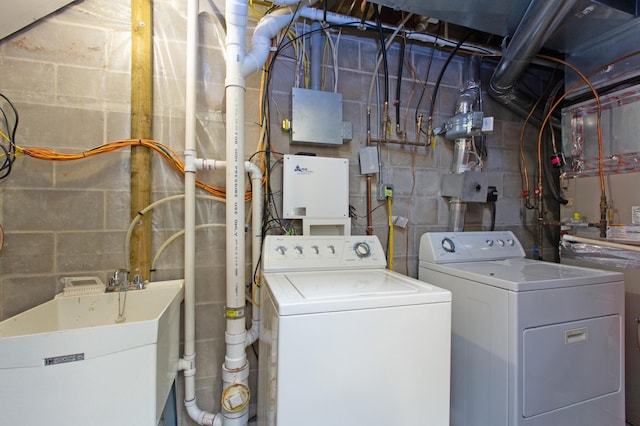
point(165, 152)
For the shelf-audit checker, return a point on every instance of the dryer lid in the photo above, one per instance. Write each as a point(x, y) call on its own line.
point(330, 291)
point(524, 274)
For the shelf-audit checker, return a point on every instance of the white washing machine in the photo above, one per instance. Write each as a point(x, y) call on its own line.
point(533, 343)
point(346, 342)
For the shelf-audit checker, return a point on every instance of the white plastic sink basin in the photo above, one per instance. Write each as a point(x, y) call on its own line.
point(69, 362)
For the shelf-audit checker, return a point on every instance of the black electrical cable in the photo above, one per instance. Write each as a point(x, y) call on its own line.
point(547, 171)
point(365, 12)
point(8, 164)
point(493, 215)
point(383, 49)
point(426, 78)
point(9, 152)
point(399, 81)
point(444, 68)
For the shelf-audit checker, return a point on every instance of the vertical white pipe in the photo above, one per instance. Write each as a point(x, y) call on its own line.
point(188, 361)
point(236, 368)
point(256, 247)
point(190, 173)
point(236, 17)
point(189, 202)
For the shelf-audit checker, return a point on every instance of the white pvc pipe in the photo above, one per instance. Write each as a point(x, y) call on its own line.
point(266, 29)
point(236, 17)
point(235, 368)
point(256, 228)
point(256, 247)
point(187, 363)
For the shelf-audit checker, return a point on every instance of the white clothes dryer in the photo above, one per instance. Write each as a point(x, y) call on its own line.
point(346, 342)
point(533, 343)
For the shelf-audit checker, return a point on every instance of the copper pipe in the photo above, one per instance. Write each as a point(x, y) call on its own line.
point(369, 218)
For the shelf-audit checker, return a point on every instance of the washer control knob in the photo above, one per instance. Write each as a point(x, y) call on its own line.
point(448, 245)
point(501, 243)
point(281, 249)
point(362, 249)
point(489, 243)
point(511, 242)
point(316, 250)
point(298, 249)
point(332, 249)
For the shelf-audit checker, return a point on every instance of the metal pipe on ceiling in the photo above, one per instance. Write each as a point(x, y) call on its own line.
point(538, 23)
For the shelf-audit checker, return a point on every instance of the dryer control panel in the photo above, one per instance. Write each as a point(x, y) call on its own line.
point(450, 247)
point(316, 252)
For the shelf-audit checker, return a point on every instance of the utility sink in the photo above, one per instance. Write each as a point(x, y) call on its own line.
point(75, 361)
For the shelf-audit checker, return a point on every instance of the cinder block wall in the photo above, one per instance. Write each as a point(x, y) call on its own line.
point(69, 78)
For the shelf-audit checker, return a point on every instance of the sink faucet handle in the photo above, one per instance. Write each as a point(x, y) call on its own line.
point(120, 278)
point(137, 281)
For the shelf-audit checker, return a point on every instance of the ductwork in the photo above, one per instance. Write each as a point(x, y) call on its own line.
point(540, 20)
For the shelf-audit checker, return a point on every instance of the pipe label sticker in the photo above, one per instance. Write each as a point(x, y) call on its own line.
point(62, 359)
point(234, 313)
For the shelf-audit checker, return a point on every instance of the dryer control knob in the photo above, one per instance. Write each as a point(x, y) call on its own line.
point(362, 249)
point(448, 245)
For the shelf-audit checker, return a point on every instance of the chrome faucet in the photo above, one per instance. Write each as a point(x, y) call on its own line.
point(119, 281)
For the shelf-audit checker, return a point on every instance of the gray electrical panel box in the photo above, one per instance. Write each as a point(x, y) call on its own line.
point(316, 118)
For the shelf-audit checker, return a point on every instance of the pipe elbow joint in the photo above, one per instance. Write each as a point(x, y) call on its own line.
point(201, 417)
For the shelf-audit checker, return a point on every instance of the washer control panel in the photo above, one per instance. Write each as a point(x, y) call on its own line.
point(318, 252)
point(449, 247)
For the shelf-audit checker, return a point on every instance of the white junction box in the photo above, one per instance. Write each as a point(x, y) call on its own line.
point(315, 187)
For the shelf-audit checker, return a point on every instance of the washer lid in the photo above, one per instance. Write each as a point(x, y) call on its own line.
point(330, 291)
point(524, 274)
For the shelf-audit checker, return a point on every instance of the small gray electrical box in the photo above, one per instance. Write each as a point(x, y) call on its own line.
point(470, 187)
point(316, 117)
point(368, 160)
